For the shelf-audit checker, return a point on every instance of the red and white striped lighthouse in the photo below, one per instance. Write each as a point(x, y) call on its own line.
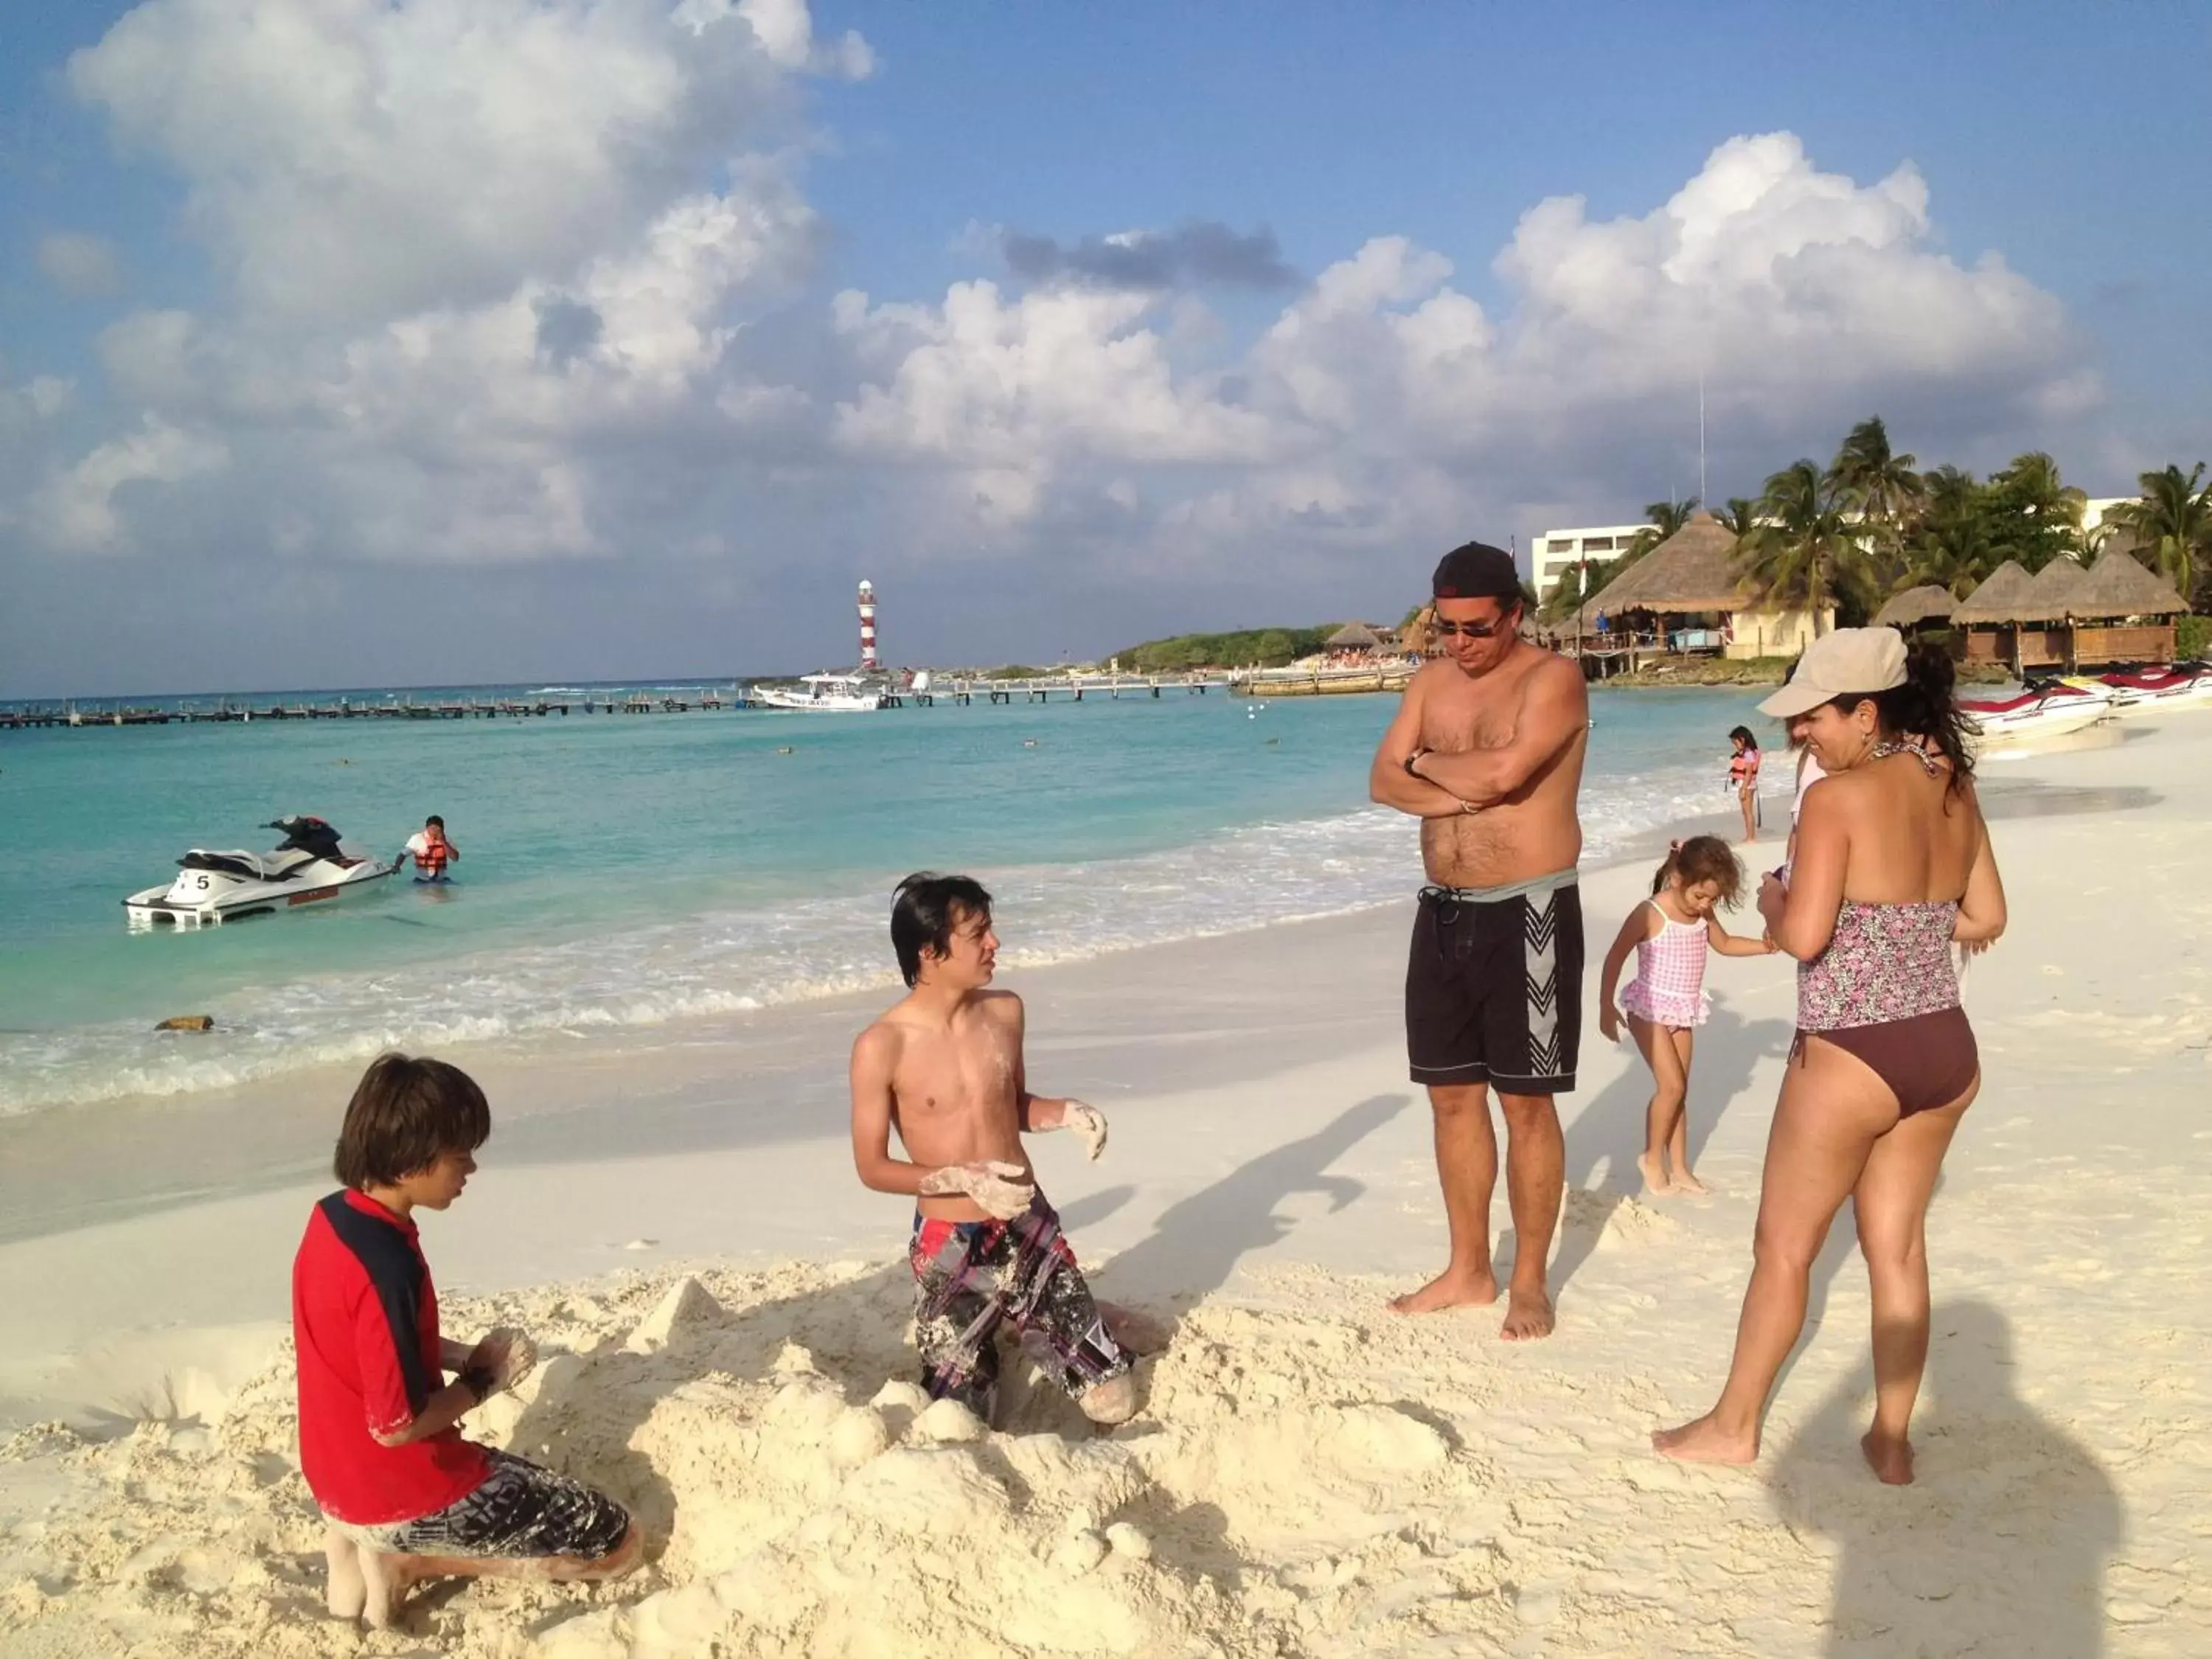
point(868, 662)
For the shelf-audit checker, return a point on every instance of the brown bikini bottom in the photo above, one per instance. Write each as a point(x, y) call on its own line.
point(1927, 1061)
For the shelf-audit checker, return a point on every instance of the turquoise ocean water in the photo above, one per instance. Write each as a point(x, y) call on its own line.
point(621, 872)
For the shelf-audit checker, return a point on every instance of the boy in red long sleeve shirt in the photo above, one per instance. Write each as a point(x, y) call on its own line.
point(381, 1445)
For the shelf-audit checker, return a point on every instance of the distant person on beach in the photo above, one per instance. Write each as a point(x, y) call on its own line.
point(1487, 749)
point(430, 850)
point(1670, 934)
point(944, 1068)
point(1744, 777)
point(1893, 864)
point(406, 1497)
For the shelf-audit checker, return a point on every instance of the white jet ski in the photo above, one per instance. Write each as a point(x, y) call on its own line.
point(309, 867)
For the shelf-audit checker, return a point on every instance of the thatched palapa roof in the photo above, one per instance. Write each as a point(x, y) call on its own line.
point(1353, 636)
point(2061, 585)
point(2117, 585)
point(2008, 596)
point(1692, 570)
point(1915, 606)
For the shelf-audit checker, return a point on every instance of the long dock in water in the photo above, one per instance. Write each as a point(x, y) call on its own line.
point(1066, 688)
point(21, 716)
point(960, 692)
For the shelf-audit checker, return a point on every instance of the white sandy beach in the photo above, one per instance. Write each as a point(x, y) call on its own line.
point(723, 1309)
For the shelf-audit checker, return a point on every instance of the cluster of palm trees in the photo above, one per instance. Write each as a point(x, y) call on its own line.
point(1870, 524)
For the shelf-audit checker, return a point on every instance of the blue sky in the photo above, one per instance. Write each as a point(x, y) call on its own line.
point(470, 339)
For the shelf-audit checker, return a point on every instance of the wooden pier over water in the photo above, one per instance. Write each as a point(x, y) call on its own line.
point(21, 716)
point(960, 692)
point(1067, 688)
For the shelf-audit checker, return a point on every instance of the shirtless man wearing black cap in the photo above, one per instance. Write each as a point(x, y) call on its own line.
point(1488, 752)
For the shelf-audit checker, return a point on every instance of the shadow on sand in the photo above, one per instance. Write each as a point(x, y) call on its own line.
point(1999, 1548)
point(1608, 1133)
point(1200, 1239)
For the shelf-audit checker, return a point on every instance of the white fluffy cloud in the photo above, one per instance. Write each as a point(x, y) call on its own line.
point(1384, 401)
point(78, 510)
point(515, 280)
point(468, 247)
point(362, 157)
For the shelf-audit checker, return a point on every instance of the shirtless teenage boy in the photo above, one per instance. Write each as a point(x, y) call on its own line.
point(1487, 750)
point(944, 1066)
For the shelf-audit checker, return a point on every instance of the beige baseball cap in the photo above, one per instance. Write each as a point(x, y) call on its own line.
point(1863, 659)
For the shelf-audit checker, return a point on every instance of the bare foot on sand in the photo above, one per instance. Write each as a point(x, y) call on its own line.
point(1654, 1177)
point(1528, 1316)
point(1449, 1289)
point(1890, 1460)
point(1686, 1182)
point(1705, 1442)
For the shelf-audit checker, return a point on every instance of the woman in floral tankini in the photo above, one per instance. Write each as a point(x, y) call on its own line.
point(1893, 866)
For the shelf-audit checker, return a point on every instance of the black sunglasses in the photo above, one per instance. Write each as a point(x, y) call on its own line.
point(1473, 630)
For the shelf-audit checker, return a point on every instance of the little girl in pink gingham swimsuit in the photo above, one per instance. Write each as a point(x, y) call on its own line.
point(1665, 1003)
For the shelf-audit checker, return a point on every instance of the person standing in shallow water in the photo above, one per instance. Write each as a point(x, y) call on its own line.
point(1487, 750)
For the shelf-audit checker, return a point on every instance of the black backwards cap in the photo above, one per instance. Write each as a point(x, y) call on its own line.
point(1477, 571)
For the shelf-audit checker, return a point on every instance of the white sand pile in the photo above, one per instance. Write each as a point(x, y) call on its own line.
point(804, 1497)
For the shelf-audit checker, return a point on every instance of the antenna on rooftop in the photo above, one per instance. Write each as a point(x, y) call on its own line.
point(1701, 429)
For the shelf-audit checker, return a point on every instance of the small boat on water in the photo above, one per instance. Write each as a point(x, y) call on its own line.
point(2052, 709)
point(309, 867)
point(855, 693)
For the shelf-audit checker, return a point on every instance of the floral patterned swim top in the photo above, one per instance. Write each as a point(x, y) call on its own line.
point(1884, 962)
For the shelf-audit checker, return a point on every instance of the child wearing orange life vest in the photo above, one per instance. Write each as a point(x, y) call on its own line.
point(430, 850)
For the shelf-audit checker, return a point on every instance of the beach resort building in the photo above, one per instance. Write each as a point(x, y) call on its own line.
point(1685, 595)
point(1555, 552)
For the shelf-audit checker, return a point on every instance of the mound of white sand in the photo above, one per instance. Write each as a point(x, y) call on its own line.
point(802, 1495)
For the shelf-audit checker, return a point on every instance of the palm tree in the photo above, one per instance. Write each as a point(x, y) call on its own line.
point(2045, 509)
point(1804, 555)
point(1954, 542)
point(1667, 517)
point(1565, 596)
point(2034, 478)
point(2172, 524)
point(1879, 484)
point(1739, 515)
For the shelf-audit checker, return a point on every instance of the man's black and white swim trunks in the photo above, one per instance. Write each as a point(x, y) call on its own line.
point(1494, 986)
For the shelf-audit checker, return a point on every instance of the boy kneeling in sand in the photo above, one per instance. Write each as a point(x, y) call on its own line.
point(946, 1066)
point(406, 1498)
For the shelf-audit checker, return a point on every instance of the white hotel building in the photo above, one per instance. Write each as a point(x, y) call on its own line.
point(1554, 552)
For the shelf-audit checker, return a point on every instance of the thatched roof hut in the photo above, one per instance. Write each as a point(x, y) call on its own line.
point(2008, 596)
point(2117, 585)
point(1353, 636)
point(1415, 637)
point(2061, 585)
point(1693, 572)
point(1917, 606)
